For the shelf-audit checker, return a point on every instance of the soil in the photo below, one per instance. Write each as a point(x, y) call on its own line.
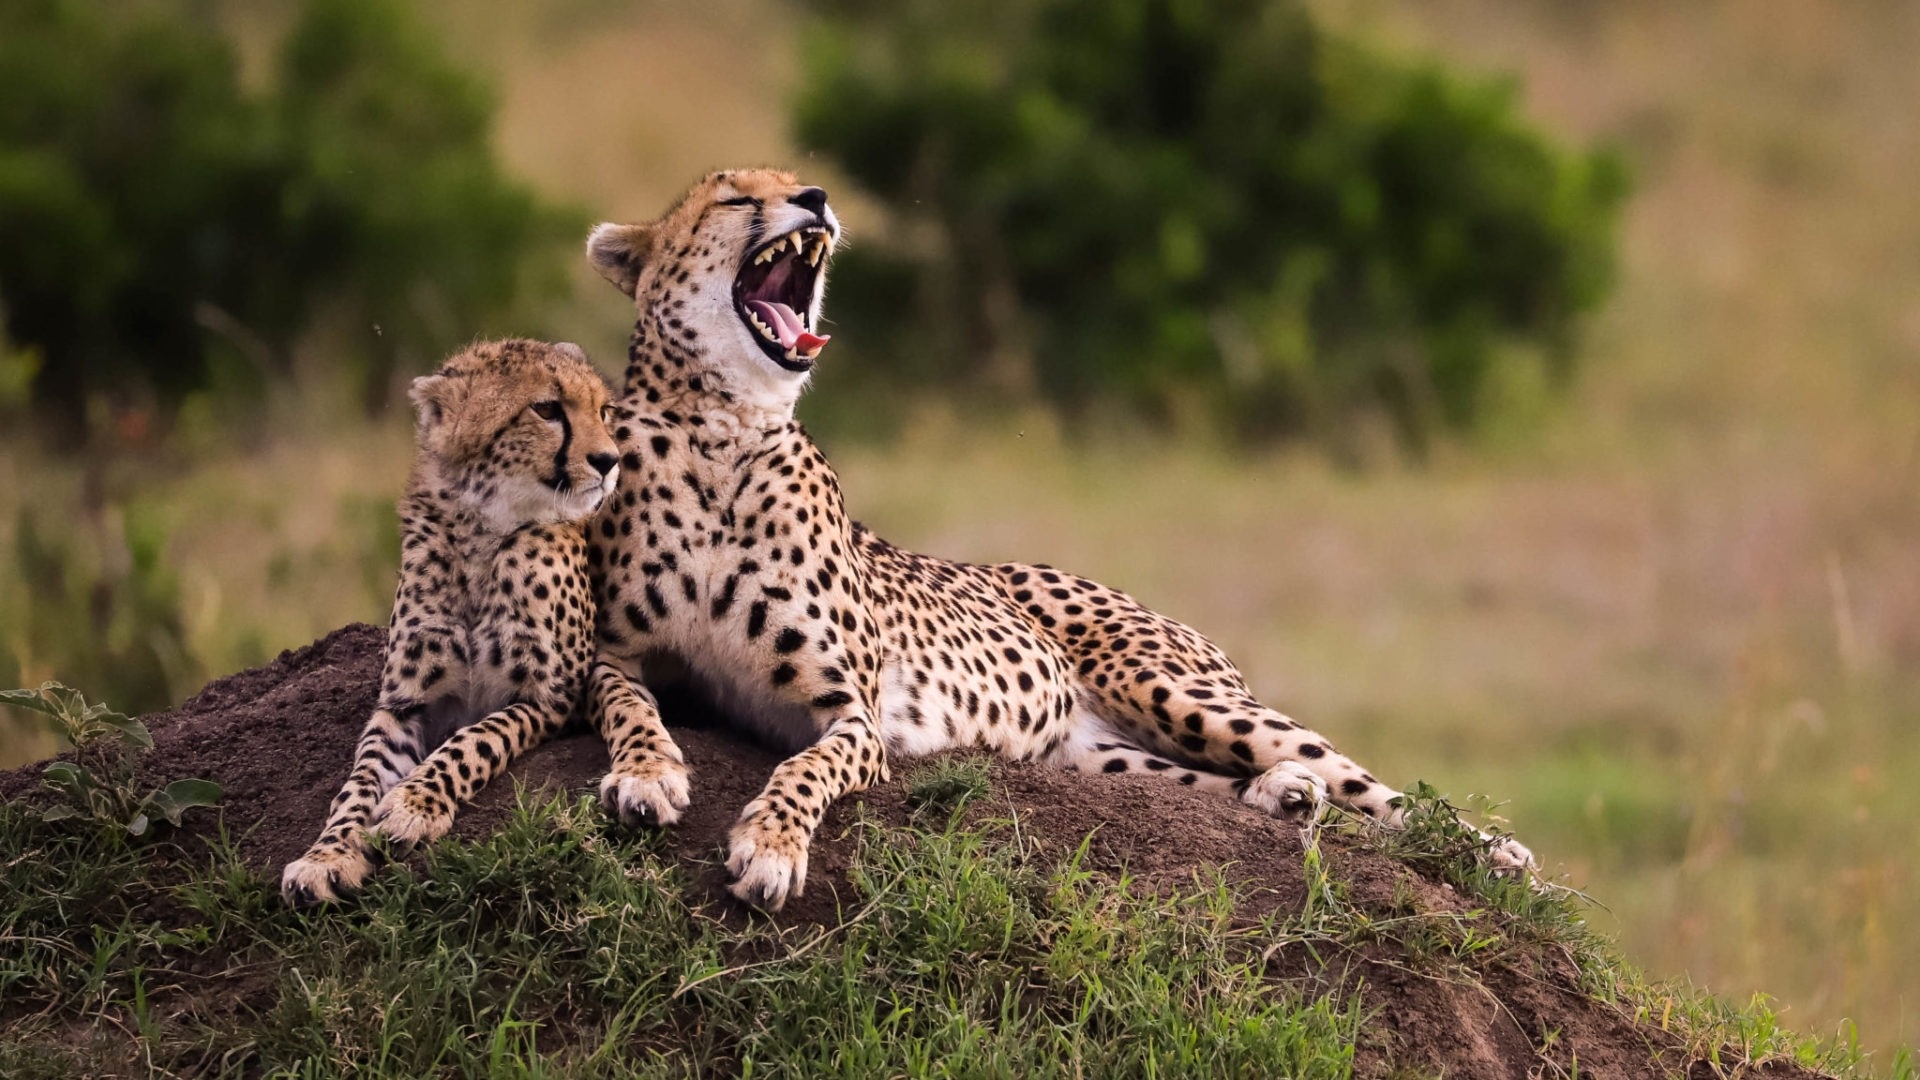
point(278, 738)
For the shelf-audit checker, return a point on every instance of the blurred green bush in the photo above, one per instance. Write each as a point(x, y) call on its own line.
point(165, 228)
point(96, 600)
point(1207, 210)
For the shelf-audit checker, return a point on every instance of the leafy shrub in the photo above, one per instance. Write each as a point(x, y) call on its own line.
point(93, 600)
point(163, 227)
point(99, 785)
point(1209, 209)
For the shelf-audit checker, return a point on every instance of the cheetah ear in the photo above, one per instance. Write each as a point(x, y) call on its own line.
point(619, 251)
point(436, 400)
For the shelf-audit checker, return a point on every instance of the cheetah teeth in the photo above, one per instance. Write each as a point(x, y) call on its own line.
point(809, 244)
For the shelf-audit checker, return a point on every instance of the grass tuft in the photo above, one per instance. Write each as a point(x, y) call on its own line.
point(947, 784)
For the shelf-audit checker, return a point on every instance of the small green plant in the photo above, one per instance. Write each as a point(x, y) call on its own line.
point(95, 599)
point(1436, 840)
point(948, 784)
point(99, 783)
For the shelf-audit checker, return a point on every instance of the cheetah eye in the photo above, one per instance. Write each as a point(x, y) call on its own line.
point(606, 414)
point(547, 410)
point(743, 200)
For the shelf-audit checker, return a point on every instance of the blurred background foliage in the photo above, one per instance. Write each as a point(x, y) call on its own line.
point(166, 230)
point(1651, 569)
point(1219, 211)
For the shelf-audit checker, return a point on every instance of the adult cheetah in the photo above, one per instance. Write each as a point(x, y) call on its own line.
point(492, 634)
point(727, 552)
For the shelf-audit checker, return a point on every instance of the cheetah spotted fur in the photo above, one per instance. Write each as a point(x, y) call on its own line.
point(727, 552)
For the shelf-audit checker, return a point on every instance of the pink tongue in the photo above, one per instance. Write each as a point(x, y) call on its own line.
point(786, 326)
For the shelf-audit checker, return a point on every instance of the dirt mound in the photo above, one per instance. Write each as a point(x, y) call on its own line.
point(278, 739)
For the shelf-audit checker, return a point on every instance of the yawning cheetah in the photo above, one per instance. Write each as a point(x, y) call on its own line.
point(727, 550)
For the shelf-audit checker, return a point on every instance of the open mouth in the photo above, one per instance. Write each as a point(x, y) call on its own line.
point(778, 295)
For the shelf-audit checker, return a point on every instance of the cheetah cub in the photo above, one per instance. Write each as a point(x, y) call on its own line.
point(492, 628)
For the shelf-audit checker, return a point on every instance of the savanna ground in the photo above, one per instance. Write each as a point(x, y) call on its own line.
point(1672, 618)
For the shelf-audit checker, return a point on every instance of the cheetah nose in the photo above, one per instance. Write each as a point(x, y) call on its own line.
point(603, 463)
point(813, 198)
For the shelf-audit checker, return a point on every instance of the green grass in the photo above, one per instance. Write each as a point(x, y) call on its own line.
point(561, 946)
point(948, 784)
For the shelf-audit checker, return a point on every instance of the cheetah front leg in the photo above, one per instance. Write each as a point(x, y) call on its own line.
point(425, 676)
point(420, 809)
point(338, 862)
point(531, 653)
point(767, 849)
point(647, 781)
point(810, 663)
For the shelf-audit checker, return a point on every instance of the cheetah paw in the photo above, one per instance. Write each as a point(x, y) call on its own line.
point(326, 873)
point(651, 792)
point(767, 858)
point(412, 814)
point(1289, 791)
